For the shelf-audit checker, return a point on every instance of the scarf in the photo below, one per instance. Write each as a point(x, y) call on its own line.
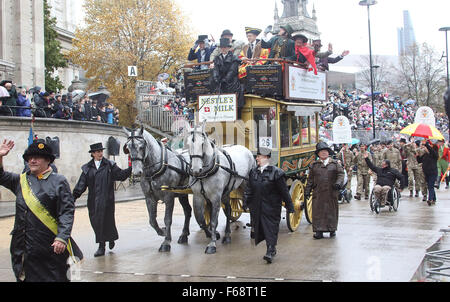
point(309, 54)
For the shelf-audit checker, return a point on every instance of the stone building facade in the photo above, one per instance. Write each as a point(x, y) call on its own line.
point(22, 57)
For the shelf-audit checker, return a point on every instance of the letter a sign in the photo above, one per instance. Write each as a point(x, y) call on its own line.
point(132, 71)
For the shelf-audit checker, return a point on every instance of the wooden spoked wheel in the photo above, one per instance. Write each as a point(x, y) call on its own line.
point(308, 209)
point(236, 209)
point(297, 193)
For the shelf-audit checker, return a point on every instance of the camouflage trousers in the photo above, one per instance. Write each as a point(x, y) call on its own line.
point(422, 181)
point(414, 178)
point(363, 181)
point(349, 176)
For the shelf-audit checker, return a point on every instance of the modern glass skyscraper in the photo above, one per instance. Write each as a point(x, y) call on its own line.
point(406, 36)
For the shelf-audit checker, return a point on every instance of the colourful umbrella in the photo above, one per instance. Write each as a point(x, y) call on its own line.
point(423, 130)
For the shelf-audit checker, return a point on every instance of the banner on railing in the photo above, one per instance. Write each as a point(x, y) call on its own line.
point(217, 108)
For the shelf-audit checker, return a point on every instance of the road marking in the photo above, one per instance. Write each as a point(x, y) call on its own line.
point(279, 279)
point(185, 276)
point(231, 277)
point(139, 274)
point(99, 273)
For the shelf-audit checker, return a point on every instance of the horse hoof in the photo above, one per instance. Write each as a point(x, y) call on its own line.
point(183, 239)
point(210, 250)
point(164, 249)
point(226, 240)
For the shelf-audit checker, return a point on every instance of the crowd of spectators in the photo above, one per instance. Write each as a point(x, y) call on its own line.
point(24, 102)
point(391, 113)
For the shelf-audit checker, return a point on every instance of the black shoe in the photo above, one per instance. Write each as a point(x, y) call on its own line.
point(112, 244)
point(424, 198)
point(429, 202)
point(269, 258)
point(318, 235)
point(411, 193)
point(100, 251)
point(417, 193)
point(332, 234)
point(358, 197)
point(271, 252)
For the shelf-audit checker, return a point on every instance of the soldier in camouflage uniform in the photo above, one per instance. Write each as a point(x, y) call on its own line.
point(377, 158)
point(413, 168)
point(363, 176)
point(421, 175)
point(392, 154)
point(346, 157)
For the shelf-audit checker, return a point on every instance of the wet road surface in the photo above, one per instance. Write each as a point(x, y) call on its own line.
point(368, 247)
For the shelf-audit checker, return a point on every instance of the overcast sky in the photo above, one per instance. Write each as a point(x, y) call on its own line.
point(341, 22)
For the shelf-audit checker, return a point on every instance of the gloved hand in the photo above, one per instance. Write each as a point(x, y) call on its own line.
point(337, 186)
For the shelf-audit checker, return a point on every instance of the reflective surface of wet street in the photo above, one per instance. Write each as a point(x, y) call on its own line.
point(368, 247)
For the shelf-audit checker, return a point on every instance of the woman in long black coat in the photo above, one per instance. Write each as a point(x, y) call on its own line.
point(101, 200)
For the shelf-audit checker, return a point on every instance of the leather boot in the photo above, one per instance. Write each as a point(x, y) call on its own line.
point(332, 234)
point(271, 252)
point(411, 193)
point(112, 244)
point(318, 235)
point(101, 250)
point(358, 197)
point(417, 193)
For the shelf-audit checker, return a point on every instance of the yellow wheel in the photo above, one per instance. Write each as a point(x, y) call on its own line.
point(236, 209)
point(297, 193)
point(308, 209)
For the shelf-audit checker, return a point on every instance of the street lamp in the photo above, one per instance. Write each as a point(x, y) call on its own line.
point(368, 3)
point(446, 50)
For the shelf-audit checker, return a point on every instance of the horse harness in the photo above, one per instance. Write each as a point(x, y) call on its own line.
point(164, 163)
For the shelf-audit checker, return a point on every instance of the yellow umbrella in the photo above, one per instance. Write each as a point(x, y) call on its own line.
point(423, 130)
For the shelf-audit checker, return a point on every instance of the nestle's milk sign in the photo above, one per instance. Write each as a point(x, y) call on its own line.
point(217, 108)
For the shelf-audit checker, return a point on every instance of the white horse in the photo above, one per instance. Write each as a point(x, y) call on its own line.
point(159, 166)
point(215, 173)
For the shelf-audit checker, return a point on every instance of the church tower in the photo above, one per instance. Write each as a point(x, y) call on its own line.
point(295, 13)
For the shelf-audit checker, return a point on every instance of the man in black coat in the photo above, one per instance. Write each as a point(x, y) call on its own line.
point(41, 243)
point(386, 177)
point(225, 73)
point(98, 176)
point(266, 191)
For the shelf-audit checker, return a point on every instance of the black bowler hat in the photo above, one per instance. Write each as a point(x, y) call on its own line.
point(323, 146)
point(39, 148)
point(264, 152)
point(202, 38)
point(96, 147)
point(301, 37)
point(226, 32)
point(224, 42)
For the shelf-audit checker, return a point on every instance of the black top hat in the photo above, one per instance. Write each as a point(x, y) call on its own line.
point(96, 147)
point(323, 146)
point(226, 32)
point(202, 38)
point(224, 42)
point(264, 152)
point(301, 37)
point(39, 148)
point(252, 30)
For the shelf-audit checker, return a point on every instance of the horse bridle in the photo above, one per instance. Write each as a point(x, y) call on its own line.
point(213, 165)
point(131, 139)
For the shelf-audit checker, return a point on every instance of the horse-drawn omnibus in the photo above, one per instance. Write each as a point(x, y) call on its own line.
point(281, 113)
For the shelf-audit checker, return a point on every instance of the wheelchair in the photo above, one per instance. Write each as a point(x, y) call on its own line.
point(392, 201)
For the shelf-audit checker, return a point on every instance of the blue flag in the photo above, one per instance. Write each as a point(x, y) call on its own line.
point(30, 137)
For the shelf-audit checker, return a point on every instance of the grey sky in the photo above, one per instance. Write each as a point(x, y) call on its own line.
point(341, 22)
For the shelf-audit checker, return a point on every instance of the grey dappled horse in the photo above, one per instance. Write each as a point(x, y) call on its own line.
point(215, 177)
point(158, 166)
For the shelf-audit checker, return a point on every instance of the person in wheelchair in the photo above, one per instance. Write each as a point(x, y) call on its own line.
point(386, 177)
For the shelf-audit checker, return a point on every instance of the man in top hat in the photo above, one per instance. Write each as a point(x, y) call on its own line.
point(325, 179)
point(281, 46)
point(201, 51)
point(265, 193)
point(236, 46)
point(225, 73)
point(98, 177)
point(41, 242)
